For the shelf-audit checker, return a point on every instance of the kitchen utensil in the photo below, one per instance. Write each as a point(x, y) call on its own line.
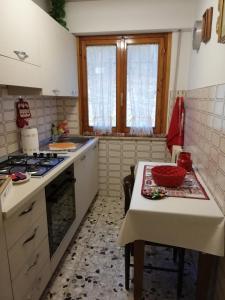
point(63, 146)
point(168, 176)
point(184, 161)
point(29, 138)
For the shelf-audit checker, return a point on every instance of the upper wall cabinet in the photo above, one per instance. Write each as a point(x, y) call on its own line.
point(35, 51)
point(19, 46)
point(19, 29)
point(58, 58)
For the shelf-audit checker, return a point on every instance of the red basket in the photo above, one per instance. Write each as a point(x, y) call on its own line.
point(168, 176)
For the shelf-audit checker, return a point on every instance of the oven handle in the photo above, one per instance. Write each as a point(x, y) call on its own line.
point(26, 211)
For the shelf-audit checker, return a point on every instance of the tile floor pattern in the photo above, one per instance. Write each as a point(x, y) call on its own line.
point(93, 267)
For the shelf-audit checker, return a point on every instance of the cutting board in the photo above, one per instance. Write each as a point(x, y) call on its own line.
point(63, 146)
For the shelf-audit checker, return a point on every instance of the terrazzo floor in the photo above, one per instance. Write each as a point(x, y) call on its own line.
point(93, 266)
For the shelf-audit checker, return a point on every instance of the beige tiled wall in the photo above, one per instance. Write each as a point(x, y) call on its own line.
point(205, 138)
point(44, 111)
point(116, 155)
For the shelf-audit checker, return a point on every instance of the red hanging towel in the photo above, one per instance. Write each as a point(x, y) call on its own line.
point(175, 134)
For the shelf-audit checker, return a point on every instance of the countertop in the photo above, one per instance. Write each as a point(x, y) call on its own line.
point(20, 193)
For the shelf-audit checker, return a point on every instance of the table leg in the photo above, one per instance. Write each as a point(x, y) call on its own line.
point(138, 268)
point(206, 274)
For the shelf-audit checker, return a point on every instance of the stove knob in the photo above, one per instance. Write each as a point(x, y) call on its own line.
point(55, 155)
point(35, 155)
point(48, 155)
point(41, 155)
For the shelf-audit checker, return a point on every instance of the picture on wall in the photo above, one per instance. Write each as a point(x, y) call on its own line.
point(221, 22)
point(207, 24)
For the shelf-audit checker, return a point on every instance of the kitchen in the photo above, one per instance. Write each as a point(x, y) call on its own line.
point(53, 96)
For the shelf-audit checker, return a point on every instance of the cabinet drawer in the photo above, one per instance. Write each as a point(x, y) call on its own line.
point(24, 248)
point(23, 284)
point(40, 282)
point(18, 223)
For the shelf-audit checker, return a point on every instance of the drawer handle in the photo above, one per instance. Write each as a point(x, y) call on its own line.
point(31, 237)
point(94, 147)
point(33, 264)
point(83, 157)
point(26, 211)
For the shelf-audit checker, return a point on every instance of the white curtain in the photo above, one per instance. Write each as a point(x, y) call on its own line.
point(101, 74)
point(142, 70)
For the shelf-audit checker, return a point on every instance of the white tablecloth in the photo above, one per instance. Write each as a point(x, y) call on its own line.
point(188, 223)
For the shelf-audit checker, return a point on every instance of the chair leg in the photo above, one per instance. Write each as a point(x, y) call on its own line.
point(127, 266)
point(181, 253)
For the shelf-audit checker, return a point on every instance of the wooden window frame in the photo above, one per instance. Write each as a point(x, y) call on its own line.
point(164, 42)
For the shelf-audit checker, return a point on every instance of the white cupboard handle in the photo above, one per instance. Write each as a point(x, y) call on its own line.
point(34, 263)
point(21, 54)
point(26, 211)
point(31, 237)
point(56, 92)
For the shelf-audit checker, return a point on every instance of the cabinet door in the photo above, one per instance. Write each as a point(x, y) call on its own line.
point(17, 73)
point(58, 56)
point(5, 282)
point(19, 28)
point(86, 173)
point(81, 188)
point(92, 175)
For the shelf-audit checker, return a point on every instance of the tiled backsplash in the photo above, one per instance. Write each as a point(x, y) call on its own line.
point(44, 111)
point(205, 138)
point(116, 155)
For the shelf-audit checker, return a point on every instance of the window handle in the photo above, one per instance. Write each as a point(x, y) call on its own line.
point(121, 99)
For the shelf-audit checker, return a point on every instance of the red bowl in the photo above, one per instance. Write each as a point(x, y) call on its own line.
point(168, 176)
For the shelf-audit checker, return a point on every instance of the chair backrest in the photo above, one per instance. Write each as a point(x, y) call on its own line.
point(128, 185)
point(128, 188)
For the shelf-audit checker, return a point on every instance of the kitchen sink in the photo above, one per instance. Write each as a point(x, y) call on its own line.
point(75, 139)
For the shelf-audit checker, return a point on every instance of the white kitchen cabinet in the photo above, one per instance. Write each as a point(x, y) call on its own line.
point(28, 248)
point(5, 282)
point(58, 57)
point(86, 173)
point(17, 73)
point(19, 30)
point(19, 47)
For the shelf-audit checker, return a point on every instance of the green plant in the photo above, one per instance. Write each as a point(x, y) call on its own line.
point(58, 11)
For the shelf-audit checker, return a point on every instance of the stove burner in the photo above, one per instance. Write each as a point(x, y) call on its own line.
point(36, 165)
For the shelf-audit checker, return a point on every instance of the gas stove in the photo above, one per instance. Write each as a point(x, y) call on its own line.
point(36, 165)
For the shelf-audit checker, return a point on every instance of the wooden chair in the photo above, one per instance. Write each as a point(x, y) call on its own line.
point(128, 183)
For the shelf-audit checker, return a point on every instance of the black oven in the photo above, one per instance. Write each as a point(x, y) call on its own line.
point(60, 203)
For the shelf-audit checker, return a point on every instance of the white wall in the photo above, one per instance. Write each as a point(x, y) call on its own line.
point(180, 60)
point(90, 17)
point(208, 64)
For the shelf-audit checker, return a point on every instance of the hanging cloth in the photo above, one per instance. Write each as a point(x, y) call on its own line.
point(23, 113)
point(175, 134)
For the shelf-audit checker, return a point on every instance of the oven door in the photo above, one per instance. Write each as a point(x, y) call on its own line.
point(60, 203)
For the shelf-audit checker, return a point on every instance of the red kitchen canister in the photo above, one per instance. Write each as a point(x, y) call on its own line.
point(184, 161)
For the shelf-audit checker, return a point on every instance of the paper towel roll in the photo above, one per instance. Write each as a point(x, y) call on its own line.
point(30, 143)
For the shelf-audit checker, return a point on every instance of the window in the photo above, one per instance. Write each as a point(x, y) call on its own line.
point(124, 83)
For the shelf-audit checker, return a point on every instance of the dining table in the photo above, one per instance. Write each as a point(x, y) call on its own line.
point(186, 222)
